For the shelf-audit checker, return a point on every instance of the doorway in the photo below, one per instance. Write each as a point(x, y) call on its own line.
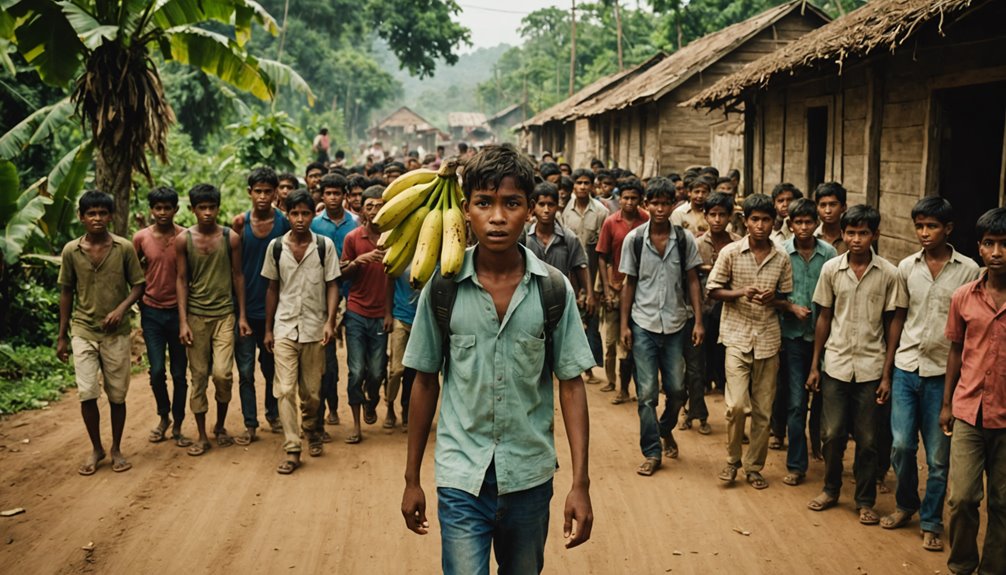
point(817, 146)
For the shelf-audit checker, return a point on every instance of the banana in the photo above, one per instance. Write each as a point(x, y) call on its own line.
point(452, 254)
point(424, 262)
point(382, 241)
point(406, 181)
point(402, 242)
point(399, 207)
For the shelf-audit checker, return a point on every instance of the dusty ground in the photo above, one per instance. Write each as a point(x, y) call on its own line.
point(229, 512)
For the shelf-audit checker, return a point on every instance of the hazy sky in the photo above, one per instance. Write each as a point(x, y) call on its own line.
point(493, 22)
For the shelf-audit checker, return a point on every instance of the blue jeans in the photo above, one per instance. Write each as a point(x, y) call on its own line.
point(657, 354)
point(367, 358)
point(160, 333)
point(329, 392)
point(516, 524)
point(915, 409)
point(593, 330)
point(797, 354)
point(244, 356)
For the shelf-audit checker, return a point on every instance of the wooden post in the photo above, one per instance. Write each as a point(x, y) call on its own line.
point(749, 141)
point(572, 49)
point(618, 26)
point(874, 131)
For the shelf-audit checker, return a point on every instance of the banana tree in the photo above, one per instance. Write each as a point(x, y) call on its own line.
point(104, 50)
point(20, 213)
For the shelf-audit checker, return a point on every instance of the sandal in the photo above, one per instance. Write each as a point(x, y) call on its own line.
point(621, 398)
point(685, 425)
point(609, 387)
point(353, 439)
point(157, 433)
point(704, 428)
point(775, 443)
point(180, 440)
point(287, 467)
point(670, 448)
point(897, 519)
point(822, 502)
point(756, 480)
point(223, 438)
point(314, 449)
point(648, 467)
point(794, 479)
point(932, 541)
point(729, 473)
point(326, 437)
point(197, 449)
point(867, 516)
point(333, 418)
point(246, 438)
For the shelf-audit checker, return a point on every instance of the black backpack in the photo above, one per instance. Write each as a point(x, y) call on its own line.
point(679, 238)
point(551, 289)
point(277, 250)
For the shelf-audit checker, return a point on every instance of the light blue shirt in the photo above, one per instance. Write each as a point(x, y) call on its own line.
point(496, 402)
point(805, 276)
point(337, 232)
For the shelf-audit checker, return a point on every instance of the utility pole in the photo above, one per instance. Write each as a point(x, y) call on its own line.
point(618, 25)
point(572, 50)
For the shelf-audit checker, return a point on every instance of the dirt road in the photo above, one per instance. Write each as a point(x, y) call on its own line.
point(230, 512)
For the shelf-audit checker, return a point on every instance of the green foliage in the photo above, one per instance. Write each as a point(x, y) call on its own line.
point(265, 140)
point(20, 212)
point(32, 317)
point(31, 377)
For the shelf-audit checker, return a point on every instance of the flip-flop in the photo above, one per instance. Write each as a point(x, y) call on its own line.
point(867, 516)
point(121, 465)
point(314, 449)
point(223, 438)
point(197, 449)
point(756, 480)
point(287, 467)
point(704, 428)
point(157, 434)
point(87, 469)
point(181, 440)
point(607, 388)
point(247, 438)
point(355, 438)
point(794, 479)
point(932, 541)
point(822, 502)
point(648, 467)
point(620, 399)
point(729, 473)
point(670, 448)
point(897, 519)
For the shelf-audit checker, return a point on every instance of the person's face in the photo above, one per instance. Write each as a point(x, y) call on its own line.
point(371, 206)
point(782, 204)
point(859, 238)
point(413, 164)
point(356, 199)
point(262, 195)
point(803, 227)
point(284, 189)
point(680, 193)
point(581, 187)
point(607, 187)
point(697, 195)
point(391, 175)
point(992, 249)
point(565, 170)
point(759, 225)
point(300, 218)
point(830, 210)
point(659, 209)
point(717, 218)
point(163, 213)
point(725, 187)
point(312, 178)
point(629, 202)
point(554, 178)
point(95, 220)
point(563, 197)
point(333, 199)
point(931, 231)
point(206, 213)
point(497, 217)
point(545, 209)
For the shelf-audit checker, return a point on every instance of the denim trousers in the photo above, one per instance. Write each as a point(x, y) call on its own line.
point(974, 452)
point(657, 355)
point(845, 401)
point(915, 410)
point(367, 358)
point(695, 374)
point(514, 525)
point(593, 328)
point(160, 334)
point(244, 356)
point(796, 357)
point(329, 394)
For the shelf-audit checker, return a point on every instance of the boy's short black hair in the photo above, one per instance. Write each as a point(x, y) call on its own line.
point(395, 167)
point(605, 175)
point(316, 166)
point(492, 164)
point(163, 195)
point(462, 147)
point(723, 180)
point(596, 162)
point(734, 174)
point(95, 199)
point(547, 169)
point(786, 187)
point(830, 189)
point(204, 193)
point(338, 170)
point(758, 203)
point(860, 214)
point(992, 222)
point(802, 207)
point(631, 185)
point(934, 207)
point(700, 181)
point(719, 200)
point(373, 192)
point(546, 189)
point(565, 184)
point(674, 177)
point(297, 197)
point(582, 173)
point(660, 187)
point(710, 171)
point(263, 175)
point(287, 177)
point(333, 181)
point(357, 181)
point(339, 155)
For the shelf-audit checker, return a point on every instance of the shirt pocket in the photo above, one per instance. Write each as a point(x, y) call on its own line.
point(939, 303)
point(530, 356)
point(462, 363)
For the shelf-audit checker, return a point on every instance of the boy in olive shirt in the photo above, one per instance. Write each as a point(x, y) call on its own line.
point(100, 279)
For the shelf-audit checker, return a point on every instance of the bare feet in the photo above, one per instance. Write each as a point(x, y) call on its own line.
point(90, 464)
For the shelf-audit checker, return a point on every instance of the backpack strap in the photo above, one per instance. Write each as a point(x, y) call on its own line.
point(443, 293)
point(552, 291)
point(320, 240)
point(277, 251)
point(679, 237)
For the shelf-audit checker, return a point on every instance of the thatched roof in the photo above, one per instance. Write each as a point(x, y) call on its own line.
point(466, 120)
point(677, 68)
point(406, 119)
point(563, 110)
point(878, 25)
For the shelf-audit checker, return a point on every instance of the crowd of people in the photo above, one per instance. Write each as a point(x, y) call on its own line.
point(779, 302)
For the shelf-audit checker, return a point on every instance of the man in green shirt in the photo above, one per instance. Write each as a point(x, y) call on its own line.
point(100, 280)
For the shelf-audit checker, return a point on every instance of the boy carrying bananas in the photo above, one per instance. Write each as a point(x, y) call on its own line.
point(499, 329)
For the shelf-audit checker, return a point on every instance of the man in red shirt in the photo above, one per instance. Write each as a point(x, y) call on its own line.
point(366, 340)
point(974, 406)
point(609, 249)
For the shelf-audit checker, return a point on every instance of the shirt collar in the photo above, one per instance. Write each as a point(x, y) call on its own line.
point(557, 231)
point(844, 262)
point(955, 256)
point(790, 246)
point(532, 265)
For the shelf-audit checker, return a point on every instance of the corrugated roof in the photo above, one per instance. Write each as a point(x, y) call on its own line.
point(878, 25)
point(677, 68)
point(466, 119)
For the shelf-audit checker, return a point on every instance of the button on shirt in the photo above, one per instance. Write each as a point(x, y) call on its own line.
point(496, 404)
point(923, 346)
point(805, 276)
point(563, 252)
point(974, 322)
point(587, 224)
point(303, 306)
point(659, 303)
point(856, 348)
point(746, 325)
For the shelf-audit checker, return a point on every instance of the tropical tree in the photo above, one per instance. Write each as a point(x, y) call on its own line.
point(105, 51)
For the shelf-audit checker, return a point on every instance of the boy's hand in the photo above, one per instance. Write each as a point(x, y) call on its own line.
point(698, 334)
point(327, 334)
point(627, 338)
point(801, 313)
point(370, 257)
point(62, 348)
point(591, 304)
point(814, 380)
point(751, 293)
point(578, 509)
point(244, 329)
point(269, 341)
point(947, 420)
point(884, 390)
point(765, 297)
point(414, 510)
point(389, 324)
point(185, 334)
point(112, 320)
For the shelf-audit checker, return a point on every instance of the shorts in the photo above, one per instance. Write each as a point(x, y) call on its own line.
point(104, 363)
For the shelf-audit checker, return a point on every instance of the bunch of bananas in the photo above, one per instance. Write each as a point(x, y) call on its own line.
point(421, 223)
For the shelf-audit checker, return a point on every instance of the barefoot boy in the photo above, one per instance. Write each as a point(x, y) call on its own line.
point(301, 300)
point(209, 277)
point(495, 456)
point(100, 279)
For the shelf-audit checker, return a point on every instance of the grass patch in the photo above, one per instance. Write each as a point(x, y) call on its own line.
point(31, 377)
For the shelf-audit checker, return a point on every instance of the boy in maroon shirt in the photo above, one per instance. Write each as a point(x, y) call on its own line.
point(366, 340)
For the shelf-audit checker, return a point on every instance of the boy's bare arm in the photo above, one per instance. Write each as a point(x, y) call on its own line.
point(114, 317)
point(389, 305)
point(821, 332)
point(954, 363)
point(884, 391)
point(332, 300)
point(695, 293)
point(578, 513)
point(422, 407)
point(238, 278)
point(625, 308)
point(583, 274)
point(182, 292)
point(271, 303)
point(65, 308)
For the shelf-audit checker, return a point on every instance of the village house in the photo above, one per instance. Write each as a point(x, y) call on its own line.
point(470, 127)
point(403, 126)
point(897, 100)
point(504, 121)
